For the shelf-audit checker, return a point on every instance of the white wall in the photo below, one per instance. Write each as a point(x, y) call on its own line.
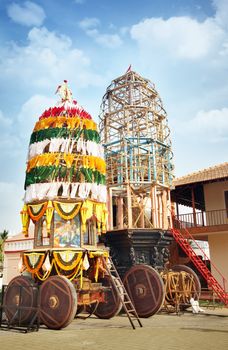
point(218, 241)
point(10, 267)
point(214, 195)
point(219, 255)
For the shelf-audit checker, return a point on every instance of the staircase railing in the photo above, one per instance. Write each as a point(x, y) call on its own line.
point(183, 241)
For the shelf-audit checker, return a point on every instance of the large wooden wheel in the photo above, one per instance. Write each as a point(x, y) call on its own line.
point(192, 284)
point(20, 298)
point(145, 288)
point(58, 302)
point(112, 305)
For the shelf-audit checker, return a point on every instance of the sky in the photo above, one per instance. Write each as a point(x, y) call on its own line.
point(180, 45)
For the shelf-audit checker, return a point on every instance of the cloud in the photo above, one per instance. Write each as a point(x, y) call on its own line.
point(212, 125)
point(28, 13)
point(10, 206)
point(30, 112)
point(89, 25)
point(221, 7)
point(79, 1)
point(5, 122)
point(179, 37)
point(46, 60)
point(111, 41)
point(10, 143)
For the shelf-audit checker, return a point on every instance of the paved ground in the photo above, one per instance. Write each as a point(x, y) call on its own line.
point(164, 331)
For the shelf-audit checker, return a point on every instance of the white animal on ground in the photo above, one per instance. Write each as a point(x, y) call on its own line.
point(195, 306)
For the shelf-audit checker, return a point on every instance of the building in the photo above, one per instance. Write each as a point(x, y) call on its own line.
point(12, 250)
point(205, 194)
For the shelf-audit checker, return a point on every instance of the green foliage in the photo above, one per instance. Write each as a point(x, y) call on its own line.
point(3, 237)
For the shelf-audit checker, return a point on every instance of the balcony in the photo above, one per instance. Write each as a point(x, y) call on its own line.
point(202, 222)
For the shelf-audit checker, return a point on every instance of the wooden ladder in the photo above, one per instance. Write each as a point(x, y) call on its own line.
point(122, 293)
point(182, 240)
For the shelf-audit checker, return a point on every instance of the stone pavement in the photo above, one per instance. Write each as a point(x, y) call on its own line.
point(163, 331)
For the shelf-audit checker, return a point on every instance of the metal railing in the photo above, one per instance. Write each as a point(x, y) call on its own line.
point(201, 219)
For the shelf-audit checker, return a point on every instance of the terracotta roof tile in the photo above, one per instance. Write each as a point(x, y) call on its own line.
point(219, 171)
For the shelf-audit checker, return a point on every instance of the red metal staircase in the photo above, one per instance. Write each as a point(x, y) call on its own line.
point(183, 241)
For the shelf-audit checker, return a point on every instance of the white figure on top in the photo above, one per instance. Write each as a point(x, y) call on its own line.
point(64, 92)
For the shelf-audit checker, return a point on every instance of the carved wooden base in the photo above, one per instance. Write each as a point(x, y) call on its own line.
point(138, 246)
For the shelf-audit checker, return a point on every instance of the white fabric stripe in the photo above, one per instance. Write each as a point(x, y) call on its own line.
point(50, 191)
point(37, 148)
point(57, 144)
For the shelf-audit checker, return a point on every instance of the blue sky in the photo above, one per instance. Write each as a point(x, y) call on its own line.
point(180, 45)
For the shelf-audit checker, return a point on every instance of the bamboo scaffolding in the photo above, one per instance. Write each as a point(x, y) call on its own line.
point(135, 133)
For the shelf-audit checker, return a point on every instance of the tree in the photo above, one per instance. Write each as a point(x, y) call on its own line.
point(3, 237)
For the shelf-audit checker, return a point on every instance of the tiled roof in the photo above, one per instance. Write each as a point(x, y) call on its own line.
point(213, 173)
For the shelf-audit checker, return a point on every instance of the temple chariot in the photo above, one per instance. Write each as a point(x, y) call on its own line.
point(99, 207)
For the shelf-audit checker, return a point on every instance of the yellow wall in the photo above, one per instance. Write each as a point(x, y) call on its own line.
point(218, 244)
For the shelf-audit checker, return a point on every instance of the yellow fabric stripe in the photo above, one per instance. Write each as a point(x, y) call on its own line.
point(69, 122)
point(46, 159)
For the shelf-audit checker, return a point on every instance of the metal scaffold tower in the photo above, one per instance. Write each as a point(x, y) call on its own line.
point(136, 137)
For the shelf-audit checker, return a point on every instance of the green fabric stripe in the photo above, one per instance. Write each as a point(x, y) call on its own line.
point(50, 133)
point(62, 173)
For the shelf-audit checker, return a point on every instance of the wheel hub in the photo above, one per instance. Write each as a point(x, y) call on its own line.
point(53, 302)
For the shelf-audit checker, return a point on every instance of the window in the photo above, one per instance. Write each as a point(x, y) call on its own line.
point(226, 202)
point(90, 234)
point(41, 237)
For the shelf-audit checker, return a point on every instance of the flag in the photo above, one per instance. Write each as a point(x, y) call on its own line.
point(129, 69)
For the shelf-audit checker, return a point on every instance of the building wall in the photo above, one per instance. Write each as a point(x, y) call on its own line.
point(10, 268)
point(218, 241)
point(214, 195)
point(218, 244)
point(12, 250)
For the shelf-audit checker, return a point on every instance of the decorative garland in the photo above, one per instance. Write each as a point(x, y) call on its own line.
point(59, 173)
point(36, 211)
point(54, 159)
point(76, 273)
point(33, 261)
point(46, 274)
point(50, 133)
point(67, 260)
point(61, 145)
point(98, 262)
point(68, 263)
point(25, 219)
point(71, 123)
point(67, 211)
point(71, 112)
point(49, 215)
point(71, 190)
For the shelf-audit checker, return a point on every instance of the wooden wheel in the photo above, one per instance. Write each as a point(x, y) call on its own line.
point(193, 290)
point(112, 305)
point(58, 302)
point(145, 288)
point(19, 300)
